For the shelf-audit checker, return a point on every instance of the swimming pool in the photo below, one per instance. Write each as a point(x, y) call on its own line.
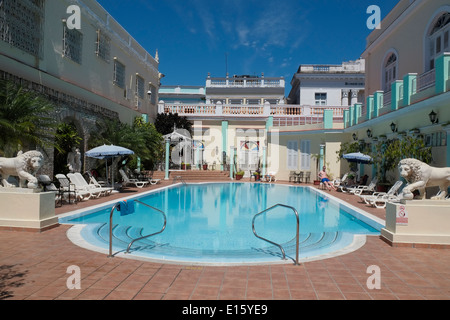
point(211, 223)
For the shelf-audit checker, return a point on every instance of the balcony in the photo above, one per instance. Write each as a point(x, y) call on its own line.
point(283, 115)
point(412, 89)
point(245, 82)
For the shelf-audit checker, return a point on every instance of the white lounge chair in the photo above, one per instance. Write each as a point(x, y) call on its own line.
point(66, 187)
point(379, 199)
point(341, 184)
point(152, 180)
point(81, 184)
point(128, 181)
point(93, 185)
point(94, 182)
point(358, 190)
point(338, 181)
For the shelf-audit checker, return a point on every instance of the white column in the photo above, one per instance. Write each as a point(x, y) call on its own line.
point(345, 97)
point(354, 97)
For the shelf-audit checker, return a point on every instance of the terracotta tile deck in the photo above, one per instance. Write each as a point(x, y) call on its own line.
point(33, 266)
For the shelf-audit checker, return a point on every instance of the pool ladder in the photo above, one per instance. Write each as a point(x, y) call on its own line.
point(274, 243)
point(137, 239)
point(180, 178)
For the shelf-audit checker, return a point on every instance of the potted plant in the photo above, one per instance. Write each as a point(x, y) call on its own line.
point(239, 174)
point(205, 165)
point(257, 175)
point(185, 166)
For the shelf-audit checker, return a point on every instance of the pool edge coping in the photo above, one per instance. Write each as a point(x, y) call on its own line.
point(74, 232)
point(74, 235)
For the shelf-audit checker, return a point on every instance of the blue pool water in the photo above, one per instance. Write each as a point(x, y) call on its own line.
point(213, 223)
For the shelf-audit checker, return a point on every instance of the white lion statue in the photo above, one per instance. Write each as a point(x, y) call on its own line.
point(420, 175)
point(23, 166)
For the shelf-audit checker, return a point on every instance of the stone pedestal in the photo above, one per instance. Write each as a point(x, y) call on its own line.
point(424, 223)
point(27, 210)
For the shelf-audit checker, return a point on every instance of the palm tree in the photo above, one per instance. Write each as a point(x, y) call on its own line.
point(140, 137)
point(26, 119)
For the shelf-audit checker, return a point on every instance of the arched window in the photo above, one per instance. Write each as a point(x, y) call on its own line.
point(438, 39)
point(389, 71)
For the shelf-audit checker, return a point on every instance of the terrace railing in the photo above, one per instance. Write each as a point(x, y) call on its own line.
point(283, 114)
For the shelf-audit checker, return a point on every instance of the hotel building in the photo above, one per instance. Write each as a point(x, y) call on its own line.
point(92, 72)
point(407, 83)
point(246, 118)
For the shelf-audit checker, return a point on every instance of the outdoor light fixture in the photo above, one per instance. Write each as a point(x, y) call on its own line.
point(433, 117)
point(354, 136)
point(394, 127)
point(369, 133)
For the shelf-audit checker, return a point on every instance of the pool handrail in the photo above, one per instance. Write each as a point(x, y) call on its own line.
point(144, 237)
point(276, 244)
point(114, 207)
point(176, 178)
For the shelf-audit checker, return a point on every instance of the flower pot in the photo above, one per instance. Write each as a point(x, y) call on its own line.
point(316, 182)
point(205, 167)
point(239, 176)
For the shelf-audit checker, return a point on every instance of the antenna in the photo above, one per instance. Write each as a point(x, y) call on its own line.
point(226, 64)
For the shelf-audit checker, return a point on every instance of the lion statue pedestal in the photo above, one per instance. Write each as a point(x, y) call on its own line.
point(25, 207)
point(418, 223)
point(425, 222)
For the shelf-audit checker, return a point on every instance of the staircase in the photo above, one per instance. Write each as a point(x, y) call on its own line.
point(195, 175)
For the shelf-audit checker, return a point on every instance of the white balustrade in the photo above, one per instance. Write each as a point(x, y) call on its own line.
point(283, 114)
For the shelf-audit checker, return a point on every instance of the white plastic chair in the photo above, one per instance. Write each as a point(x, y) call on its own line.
point(379, 199)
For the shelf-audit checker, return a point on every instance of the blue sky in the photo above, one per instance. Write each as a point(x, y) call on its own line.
point(195, 37)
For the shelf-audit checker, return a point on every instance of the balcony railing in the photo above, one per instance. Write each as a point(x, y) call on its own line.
point(245, 82)
point(426, 80)
point(283, 114)
point(412, 89)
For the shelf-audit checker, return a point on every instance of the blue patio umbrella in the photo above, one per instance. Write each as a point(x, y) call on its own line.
point(106, 152)
point(357, 157)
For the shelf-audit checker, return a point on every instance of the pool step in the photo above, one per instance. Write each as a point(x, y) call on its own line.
point(310, 244)
point(123, 235)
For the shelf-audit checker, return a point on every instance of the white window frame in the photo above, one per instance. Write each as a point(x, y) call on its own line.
point(72, 44)
point(140, 87)
point(292, 155)
point(305, 154)
point(103, 46)
point(390, 70)
point(437, 42)
point(119, 74)
point(319, 101)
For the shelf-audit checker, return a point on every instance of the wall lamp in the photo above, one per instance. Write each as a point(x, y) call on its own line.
point(394, 127)
point(369, 133)
point(433, 117)
point(355, 137)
